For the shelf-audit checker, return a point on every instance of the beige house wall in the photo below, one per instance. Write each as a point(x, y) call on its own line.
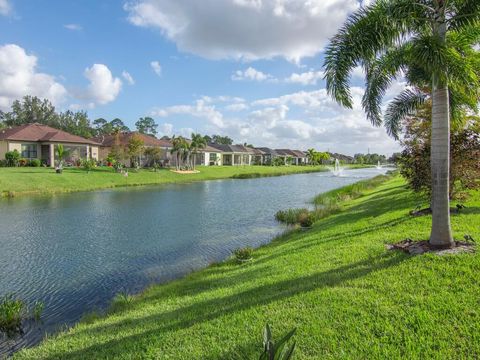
point(3, 149)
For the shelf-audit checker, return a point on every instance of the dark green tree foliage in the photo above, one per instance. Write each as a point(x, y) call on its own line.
point(223, 140)
point(147, 126)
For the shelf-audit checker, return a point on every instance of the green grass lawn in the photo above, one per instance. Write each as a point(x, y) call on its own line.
point(348, 296)
point(30, 180)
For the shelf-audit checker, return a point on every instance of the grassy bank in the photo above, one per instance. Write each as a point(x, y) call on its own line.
point(347, 295)
point(30, 180)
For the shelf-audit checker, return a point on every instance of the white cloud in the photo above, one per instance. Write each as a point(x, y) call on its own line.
point(156, 67)
point(305, 78)
point(236, 107)
point(199, 110)
point(126, 75)
point(251, 74)
point(165, 129)
point(5, 7)
point(19, 77)
point(103, 87)
point(73, 27)
point(244, 29)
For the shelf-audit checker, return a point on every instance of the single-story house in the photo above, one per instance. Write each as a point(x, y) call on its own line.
point(234, 154)
point(268, 155)
point(208, 156)
point(38, 141)
point(297, 157)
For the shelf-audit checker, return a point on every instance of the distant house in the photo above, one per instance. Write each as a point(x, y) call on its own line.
point(121, 140)
point(234, 154)
point(268, 155)
point(38, 141)
point(296, 157)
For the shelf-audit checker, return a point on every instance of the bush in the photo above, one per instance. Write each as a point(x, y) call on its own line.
point(243, 254)
point(306, 220)
point(290, 216)
point(88, 164)
point(35, 163)
point(23, 162)
point(12, 158)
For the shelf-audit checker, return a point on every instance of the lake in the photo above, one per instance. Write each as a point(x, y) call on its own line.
point(74, 252)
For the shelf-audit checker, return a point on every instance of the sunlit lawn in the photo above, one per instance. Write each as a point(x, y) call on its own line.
point(348, 296)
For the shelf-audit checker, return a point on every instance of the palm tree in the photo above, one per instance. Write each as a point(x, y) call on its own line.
point(431, 43)
point(311, 155)
point(61, 153)
point(177, 143)
point(198, 143)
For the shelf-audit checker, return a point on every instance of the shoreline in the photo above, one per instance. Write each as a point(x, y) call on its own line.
point(44, 182)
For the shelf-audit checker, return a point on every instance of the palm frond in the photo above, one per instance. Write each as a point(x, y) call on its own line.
point(400, 107)
point(367, 32)
point(379, 75)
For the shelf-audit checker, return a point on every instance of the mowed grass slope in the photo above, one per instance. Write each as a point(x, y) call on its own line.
point(348, 296)
point(30, 180)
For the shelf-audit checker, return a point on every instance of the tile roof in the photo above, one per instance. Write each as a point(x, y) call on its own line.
point(124, 138)
point(41, 133)
point(233, 148)
point(268, 151)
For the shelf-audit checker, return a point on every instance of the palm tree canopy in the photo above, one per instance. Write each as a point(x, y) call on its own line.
point(399, 38)
point(198, 142)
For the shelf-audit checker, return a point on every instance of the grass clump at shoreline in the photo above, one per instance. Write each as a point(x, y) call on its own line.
point(20, 181)
point(347, 296)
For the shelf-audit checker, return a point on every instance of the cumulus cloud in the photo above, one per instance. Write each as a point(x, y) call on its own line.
point(73, 27)
point(236, 107)
point(128, 78)
point(200, 110)
point(305, 78)
point(19, 77)
point(156, 67)
point(298, 120)
point(244, 29)
point(103, 87)
point(250, 74)
point(165, 129)
point(5, 7)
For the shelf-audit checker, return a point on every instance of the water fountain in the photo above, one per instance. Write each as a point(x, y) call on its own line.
point(378, 165)
point(337, 170)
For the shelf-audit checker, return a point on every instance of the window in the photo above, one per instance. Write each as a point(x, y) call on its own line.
point(29, 151)
point(213, 157)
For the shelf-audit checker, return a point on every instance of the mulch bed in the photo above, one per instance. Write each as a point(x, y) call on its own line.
point(419, 247)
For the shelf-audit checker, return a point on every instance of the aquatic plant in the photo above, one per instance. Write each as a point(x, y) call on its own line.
point(243, 254)
point(12, 313)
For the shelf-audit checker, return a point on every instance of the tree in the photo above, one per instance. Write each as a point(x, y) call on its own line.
point(432, 43)
point(135, 150)
point(153, 155)
point(414, 161)
point(147, 126)
point(223, 140)
point(30, 109)
point(311, 155)
point(208, 139)
point(62, 154)
point(118, 125)
point(198, 143)
point(178, 149)
point(102, 127)
point(76, 123)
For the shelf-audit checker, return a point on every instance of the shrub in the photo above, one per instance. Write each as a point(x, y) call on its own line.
point(12, 312)
point(277, 350)
point(35, 163)
point(23, 162)
point(290, 216)
point(243, 254)
point(88, 164)
point(306, 220)
point(12, 158)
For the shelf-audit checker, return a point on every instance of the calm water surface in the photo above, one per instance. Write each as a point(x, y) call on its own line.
point(74, 252)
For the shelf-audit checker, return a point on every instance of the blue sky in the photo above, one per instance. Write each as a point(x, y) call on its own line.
point(250, 69)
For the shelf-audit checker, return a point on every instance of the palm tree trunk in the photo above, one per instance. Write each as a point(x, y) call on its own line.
point(441, 234)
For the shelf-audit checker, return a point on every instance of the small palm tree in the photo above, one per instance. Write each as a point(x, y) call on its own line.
point(62, 154)
point(311, 155)
point(431, 43)
point(198, 143)
point(176, 149)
